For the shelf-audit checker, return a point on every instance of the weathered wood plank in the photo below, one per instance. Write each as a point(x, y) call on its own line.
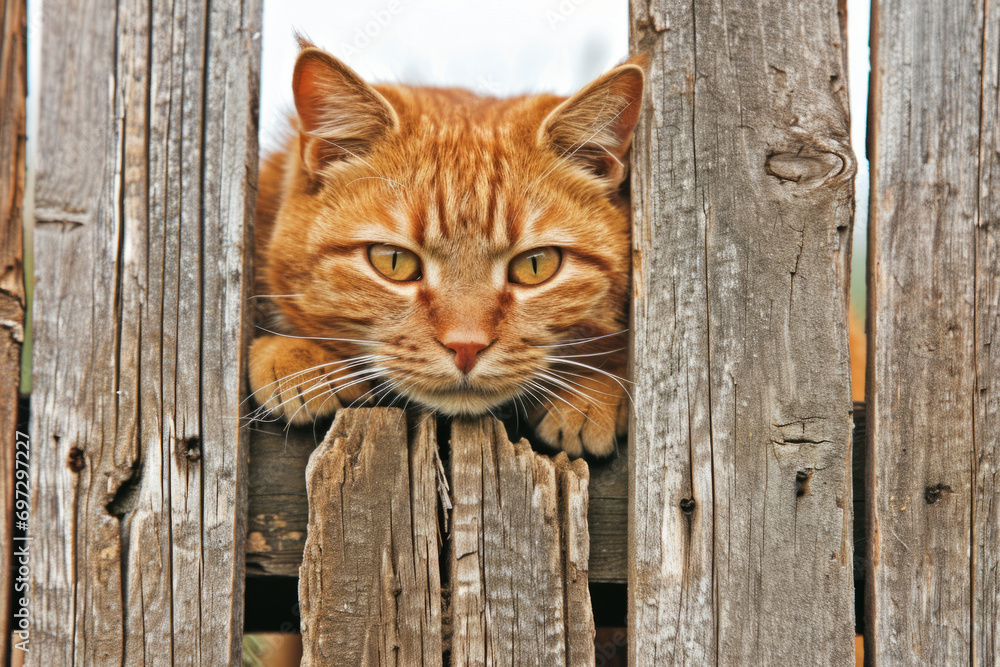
point(13, 52)
point(986, 427)
point(279, 510)
point(146, 178)
point(933, 314)
point(742, 194)
point(278, 504)
point(370, 592)
point(512, 548)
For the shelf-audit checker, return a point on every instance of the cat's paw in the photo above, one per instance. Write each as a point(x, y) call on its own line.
point(578, 426)
point(294, 379)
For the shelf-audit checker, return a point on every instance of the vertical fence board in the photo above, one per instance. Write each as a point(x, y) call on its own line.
point(12, 91)
point(147, 157)
point(986, 455)
point(510, 598)
point(369, 589)
point(739, 487)
point(931, 594)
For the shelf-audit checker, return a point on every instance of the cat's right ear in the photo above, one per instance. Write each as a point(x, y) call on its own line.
point(593, 128)
point(340, 116)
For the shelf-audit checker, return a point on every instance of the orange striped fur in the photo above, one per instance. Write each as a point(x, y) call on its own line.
point(466, 183)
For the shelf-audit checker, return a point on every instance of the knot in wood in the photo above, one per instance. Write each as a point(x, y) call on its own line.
point(805, 166)
point(932, 494)
point(802, 478)
point(189, 448)
point(687, 505)
point(75, 460)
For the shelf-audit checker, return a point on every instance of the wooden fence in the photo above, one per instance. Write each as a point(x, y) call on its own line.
point(13, 86)
point(730, 516)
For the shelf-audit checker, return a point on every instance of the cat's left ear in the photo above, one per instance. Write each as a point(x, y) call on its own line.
point(594, 127)
point(340, 116)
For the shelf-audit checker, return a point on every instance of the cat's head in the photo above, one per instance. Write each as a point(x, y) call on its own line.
point(460, 239)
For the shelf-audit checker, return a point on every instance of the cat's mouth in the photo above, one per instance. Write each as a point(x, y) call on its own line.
point(462, 399)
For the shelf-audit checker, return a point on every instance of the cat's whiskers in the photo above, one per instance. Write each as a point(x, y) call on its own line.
point(316, 384)
point(619, 380)
point(332, 391)
point(361, 376)
point(581, 341)
point(384, 373)
point(274, 296)
point(350, 362)
point(342, 340)
point(546, 390)
point(558, 379)
point(603, 418)
point(592, 354)
point(368, 178)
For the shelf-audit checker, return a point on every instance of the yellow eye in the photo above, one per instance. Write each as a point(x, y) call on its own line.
point(534, 266)
point(394, 263)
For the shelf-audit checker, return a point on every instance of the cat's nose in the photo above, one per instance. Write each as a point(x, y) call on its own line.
point(466, 354)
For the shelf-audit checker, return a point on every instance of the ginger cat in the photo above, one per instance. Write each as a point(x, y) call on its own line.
point(434, 247)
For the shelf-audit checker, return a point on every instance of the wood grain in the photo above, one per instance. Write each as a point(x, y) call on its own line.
point(146, 182)
point(279, 511)
point(985, 571)
point(933, 295)
point(370, 591)
point(742, 195)
point(519, 590)
point(13, 82)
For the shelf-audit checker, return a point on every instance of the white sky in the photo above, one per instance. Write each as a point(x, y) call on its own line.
point(501, 48)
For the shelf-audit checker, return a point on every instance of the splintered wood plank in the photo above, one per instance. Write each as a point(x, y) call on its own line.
point(146, 180)
point(369, 589)
point(934, 517)
point(740, 544)
point(13, 52)
point(279, 509)
point(519, 592)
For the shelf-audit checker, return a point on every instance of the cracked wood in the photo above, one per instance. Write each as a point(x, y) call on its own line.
point(147, 161)
point(933, 586)
point(520, 546)
point(742, 195)
point(516, 554)
point(369, 588)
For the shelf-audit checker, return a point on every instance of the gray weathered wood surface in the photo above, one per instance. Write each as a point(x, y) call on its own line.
point(279, 510)
point(519, 590)
point(934, 543)
point(146, 179)
point(515, 575)
point(13, 83)
point(986, 426)
point(370, 590)
point(740, 545)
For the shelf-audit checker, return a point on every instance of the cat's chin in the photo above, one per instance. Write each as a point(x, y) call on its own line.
point(461, 402)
